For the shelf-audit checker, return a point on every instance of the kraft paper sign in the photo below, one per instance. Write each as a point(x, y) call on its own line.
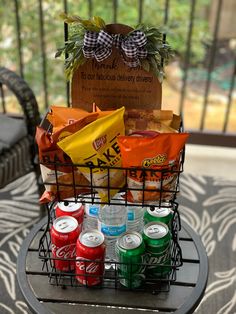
point(111, 84)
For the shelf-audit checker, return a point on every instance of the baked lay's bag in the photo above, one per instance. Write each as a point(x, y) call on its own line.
point(51, 157)
point(96, 147)
point(158, 156)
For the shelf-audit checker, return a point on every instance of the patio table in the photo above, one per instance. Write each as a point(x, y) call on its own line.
point(183, 297)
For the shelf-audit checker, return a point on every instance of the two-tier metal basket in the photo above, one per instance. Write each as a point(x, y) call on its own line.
point(111, 277)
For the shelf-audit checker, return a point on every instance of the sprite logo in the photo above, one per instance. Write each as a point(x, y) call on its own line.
point(153, 260)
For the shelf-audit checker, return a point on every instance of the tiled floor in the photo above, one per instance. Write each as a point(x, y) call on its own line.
point(211, 161)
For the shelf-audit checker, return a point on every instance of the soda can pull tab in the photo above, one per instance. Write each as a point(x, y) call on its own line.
point(63, 225)
point(154, 230)
point(128, 240)
point(92, 238)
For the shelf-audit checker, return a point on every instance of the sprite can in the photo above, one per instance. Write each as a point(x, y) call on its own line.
point(159, 214)
point(130, 251)
point(157, 238)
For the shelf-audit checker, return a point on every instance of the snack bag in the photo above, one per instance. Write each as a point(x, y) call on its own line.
point(74, 127)
point(162, 121)
point(63, 116)
point(158, 156)
point(100, 112)
point(96, 145)
point(50, 153)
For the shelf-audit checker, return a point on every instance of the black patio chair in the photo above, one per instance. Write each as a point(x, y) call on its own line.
point(18, 153)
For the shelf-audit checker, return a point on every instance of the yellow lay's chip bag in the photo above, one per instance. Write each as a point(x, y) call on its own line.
point(96, 146)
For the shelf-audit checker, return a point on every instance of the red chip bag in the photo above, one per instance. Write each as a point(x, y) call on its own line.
point(154, 155)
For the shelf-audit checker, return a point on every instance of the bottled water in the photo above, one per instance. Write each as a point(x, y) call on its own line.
point(135, 218)
point(91, 213)
point(112, 222)
point(135, 214)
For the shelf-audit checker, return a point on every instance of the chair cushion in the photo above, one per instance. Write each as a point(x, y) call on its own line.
point(11, 131)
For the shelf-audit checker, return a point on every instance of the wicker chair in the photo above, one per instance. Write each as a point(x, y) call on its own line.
point(18, 153)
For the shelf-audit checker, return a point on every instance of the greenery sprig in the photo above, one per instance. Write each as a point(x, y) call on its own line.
point(159, 52)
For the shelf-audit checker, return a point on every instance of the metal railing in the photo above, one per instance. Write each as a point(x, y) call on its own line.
point(201, 134)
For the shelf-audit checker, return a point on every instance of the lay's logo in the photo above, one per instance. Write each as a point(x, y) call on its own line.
point(158, 160)
point(99, 142)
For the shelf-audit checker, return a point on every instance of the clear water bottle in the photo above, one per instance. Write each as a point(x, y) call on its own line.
point(91, 213)
point(135, 218)
point(112, 222)
point(135, 214)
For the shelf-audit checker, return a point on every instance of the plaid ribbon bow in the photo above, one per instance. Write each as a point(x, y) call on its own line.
point(99, 46)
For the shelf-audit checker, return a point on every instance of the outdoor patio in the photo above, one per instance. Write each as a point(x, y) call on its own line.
point(199, 86)
point(207, 199)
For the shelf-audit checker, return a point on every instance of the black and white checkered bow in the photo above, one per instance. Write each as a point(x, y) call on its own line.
point(99, 46)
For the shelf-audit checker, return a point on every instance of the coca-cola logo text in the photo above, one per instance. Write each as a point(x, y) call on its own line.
point(66, 251)
point(87, 267)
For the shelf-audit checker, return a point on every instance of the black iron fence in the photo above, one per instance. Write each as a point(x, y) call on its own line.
point(205, 61)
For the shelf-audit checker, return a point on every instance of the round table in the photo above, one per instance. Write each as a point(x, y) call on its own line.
point(184, 296)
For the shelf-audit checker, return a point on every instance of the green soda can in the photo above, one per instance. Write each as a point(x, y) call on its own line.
point(130, 251)
point(159, 214)
point(157, 238)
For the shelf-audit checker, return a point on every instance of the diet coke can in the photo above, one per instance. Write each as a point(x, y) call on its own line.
point(70, 208)
point(90, 254)
point(64, 234)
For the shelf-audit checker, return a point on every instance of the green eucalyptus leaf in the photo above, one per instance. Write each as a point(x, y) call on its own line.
point(99, 22)
point(89, 26)
point(70, 18)
point(157, 50)
point(153, 62)
point(145, 64)
point(59, 53)
point(62, 15)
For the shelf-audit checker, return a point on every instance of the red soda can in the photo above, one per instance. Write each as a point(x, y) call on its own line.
point(64, 234)
point(90, 255)
point(69, 208)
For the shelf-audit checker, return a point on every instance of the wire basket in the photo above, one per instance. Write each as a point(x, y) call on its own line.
point(166, 189)
point(112, 278)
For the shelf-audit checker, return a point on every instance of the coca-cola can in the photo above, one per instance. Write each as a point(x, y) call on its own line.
point(70, 208)
point(64, 234)
point(90, 255)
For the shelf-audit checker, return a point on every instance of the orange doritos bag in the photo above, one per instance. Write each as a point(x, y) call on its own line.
point(158, 156)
